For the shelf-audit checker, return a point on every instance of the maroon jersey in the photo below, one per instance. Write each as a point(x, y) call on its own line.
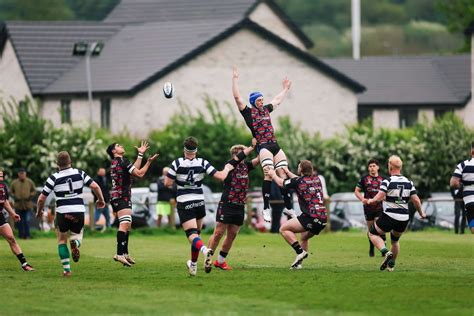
point(260, 123)
point(120, 172)
point(310, 195)
point(236, 184)
point(3, 195)
point(370, 185)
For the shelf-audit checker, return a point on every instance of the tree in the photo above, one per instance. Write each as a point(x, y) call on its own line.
point(459, 15)
point(38, 10)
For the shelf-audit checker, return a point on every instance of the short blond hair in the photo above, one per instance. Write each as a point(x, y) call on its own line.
point(234, 150)
point(395, 162)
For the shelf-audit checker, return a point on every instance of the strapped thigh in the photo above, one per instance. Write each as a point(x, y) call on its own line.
point(267, 162)
point(125, 219)
point(281, 164)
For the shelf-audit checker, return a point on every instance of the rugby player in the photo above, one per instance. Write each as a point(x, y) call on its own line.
point(313, 218)
point(395, 191)
point(369, 184)
point(269, 152)
point(68, 184)
point(6, 230)
point(121, 172)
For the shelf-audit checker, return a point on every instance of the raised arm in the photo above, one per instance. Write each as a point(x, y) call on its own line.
point(140, 173)
point(235, 90)
point(221, 175)
point(280, 96)
point(141, 150)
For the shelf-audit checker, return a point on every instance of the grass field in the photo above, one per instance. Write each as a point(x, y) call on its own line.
point(434, 275)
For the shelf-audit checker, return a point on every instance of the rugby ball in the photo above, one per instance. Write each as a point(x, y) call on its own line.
point(168, 90)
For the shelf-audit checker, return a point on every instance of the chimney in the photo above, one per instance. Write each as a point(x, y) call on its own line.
point(355, 29)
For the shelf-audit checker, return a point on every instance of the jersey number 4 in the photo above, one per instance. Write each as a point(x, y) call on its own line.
point(190, 177)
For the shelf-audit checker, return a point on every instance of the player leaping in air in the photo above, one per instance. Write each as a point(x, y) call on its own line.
point(269, 153)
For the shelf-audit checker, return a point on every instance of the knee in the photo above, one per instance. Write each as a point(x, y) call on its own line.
point(394, 239)
point(11, 240)
point(218, 233)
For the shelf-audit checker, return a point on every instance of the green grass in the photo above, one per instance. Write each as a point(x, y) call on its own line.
point(434, 275)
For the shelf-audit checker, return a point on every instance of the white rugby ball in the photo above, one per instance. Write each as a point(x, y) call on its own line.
point(168, 90)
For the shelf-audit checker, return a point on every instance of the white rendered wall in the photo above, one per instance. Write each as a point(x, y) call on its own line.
point(386, 118)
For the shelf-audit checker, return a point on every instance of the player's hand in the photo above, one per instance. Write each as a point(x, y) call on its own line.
point(229, 167)
point(153, 158)
point(235, 74)
point(370, 202)
point(100, 204)
point(16, 217)
point(254, 142)
point(365, 201)
point(143, 147)
point(423, 215)
point(286, 83)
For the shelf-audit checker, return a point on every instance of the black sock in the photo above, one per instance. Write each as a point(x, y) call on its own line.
point(223, 254)
point(266, 188)
point(296, 245)
point(371, 245)
point(287, 198)
point(21, 258)
point(125, 248)
point(121, 242)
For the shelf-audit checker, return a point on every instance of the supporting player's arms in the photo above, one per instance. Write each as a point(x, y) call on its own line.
point(140, 173)
point(235, 90)
point(280, 96)
point(98, 193)
point(40, 205)
point(417, 202)
point(10, 211)
point(272, 173)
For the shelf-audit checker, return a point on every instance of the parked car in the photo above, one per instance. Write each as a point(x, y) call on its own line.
point(346, 211)
point(439, 209)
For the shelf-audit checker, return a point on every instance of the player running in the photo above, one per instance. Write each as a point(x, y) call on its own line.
point(370, 184)
point(269, 152)
point(68, 184)
point(395, 191)
point(231, 209)
point(188, 173)
point(121, 172)
point(5, 228)
point(313, 218)
point(464, 175)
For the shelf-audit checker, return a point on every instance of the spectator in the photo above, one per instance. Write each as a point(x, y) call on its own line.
point(102, 180)
point(166, 197)
point(23, 191)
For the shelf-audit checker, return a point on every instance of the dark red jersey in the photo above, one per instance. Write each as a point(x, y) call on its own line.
point(310, 195)
point(260, 123)
point(236, 184)
point(120, 172)
point(3, 195)
point(370, 185)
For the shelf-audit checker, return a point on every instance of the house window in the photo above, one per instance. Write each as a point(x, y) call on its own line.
point(408, 117)
point(364, 114)
point(105, 113)
point(440, 112)
point(65, 111)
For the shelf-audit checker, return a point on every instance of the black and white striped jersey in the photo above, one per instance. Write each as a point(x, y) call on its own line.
point(188, 175)
point(465, 172)
point(67, 185)
point(399, 189)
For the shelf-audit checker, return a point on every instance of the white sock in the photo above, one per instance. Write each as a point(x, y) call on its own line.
point(203, 249)
point(220, 259)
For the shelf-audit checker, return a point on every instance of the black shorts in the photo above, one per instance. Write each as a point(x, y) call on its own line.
point(470, 214)
point(371, 215)
point(311, 224)
point(274, 148)
point(228, 213)
point(120, 204)
point(387, 224)
point(191, 209)
point(3, 221)
point(69, 222)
